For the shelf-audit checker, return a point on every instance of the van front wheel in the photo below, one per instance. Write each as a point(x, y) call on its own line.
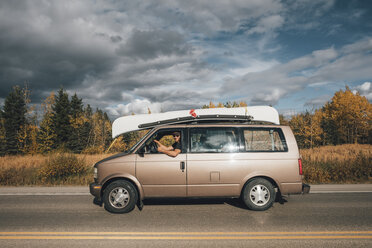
point(259, 194)
point(120, 197)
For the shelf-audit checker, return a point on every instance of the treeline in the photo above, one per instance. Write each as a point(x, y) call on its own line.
point(345, 119)
point(66, 125)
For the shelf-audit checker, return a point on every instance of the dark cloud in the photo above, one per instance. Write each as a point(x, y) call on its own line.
point(154, 43)
point(126, 55)
point(40, 51)
point(173, 94)
point(116, 38)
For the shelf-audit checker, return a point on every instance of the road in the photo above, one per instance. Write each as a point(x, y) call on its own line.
point(65, 216)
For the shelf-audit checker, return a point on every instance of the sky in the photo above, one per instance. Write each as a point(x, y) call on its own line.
point(130, 56)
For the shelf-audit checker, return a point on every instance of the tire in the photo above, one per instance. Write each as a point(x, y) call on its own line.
point(259, 194)
point(120, 197)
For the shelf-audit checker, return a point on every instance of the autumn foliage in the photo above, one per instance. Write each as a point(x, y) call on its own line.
point(61, 146)
point(346, 119)
point(65, 125)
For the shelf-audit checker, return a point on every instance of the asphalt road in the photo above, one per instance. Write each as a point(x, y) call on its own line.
point(61, 217)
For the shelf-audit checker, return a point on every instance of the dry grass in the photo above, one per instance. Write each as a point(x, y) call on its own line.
point(350, 163)
point(28, 170)
point(329, 164)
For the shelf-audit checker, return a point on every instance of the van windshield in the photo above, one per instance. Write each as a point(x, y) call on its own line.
point(128, 141)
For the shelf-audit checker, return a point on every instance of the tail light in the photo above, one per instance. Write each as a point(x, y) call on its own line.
point(300, 166)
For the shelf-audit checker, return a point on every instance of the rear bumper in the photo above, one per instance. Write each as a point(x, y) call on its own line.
point(305, 188)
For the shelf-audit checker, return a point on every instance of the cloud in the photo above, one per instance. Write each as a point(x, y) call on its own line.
point(267, 24)
point(318, 101)
point(152, 44)
point(364, 89)
point(137, 106)
point(348, 63)
point(127, 55)
point(49, 45)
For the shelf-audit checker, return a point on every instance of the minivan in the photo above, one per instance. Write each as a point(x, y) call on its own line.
point(227, 156)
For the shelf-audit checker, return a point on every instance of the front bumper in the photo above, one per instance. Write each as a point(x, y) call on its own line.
point(95, 190)
point(305, 188)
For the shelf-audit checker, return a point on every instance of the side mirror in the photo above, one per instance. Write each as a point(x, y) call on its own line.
point(141, 152)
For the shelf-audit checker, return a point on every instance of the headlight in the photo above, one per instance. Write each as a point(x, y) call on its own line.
point(95, 173)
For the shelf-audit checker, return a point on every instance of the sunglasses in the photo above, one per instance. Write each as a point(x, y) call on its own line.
point(176, 135)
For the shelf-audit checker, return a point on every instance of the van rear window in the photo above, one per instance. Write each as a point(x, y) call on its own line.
point(264, 140)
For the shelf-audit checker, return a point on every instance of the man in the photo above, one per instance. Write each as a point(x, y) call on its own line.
point(173, 150)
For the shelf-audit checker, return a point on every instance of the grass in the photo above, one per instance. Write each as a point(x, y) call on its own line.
point(328, 164)
point(350, 163)
point(52, 169)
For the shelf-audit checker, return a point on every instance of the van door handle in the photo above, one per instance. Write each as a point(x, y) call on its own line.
point(182, 166)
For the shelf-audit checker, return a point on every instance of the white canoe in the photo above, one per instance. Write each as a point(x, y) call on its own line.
point(131, 123)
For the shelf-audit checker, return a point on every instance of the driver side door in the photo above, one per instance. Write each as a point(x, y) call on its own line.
point(161, 175)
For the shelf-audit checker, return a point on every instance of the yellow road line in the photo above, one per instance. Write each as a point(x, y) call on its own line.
point(187, 233)
point(182, 237)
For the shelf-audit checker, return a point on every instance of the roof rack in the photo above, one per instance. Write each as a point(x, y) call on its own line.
point(198, 119)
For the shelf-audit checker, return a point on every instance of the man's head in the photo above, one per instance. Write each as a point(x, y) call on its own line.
point(176, 136)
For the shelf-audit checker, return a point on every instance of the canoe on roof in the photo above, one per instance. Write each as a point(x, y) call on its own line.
point(131, 123)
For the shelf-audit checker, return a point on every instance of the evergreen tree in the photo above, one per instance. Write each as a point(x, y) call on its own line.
point(88, 112)
point(14, 118)
point(2, 134)
point(76, 106)
point(27, 136)
point(77, 121)
point(61, 118)
point(47, 135)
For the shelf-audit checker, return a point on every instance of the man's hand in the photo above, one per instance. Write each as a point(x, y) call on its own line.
point(161, 147)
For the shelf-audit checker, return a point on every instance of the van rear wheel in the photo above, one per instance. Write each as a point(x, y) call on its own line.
point(120, 197)
point(259, 194)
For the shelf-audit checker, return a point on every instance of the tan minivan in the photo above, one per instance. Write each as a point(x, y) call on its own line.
point(218, 159)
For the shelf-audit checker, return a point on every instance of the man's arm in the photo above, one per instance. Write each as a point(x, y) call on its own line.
point(170, 151)
point(173, 153)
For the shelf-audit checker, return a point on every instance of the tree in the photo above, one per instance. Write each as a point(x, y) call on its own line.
point(347, 118)
point(61, 110)
point(100, 132)
point(283, 120)
point(2, 134)
point(47, 134)
point(243, 104)
point(307, 129)
point(220, 105)
point(14, 119)
point(27, 136)
point(76, 106)
point(77, 122)
point(226, 105)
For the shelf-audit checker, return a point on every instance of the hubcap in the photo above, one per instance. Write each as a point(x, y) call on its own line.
point(259, 195)
point(119, 197)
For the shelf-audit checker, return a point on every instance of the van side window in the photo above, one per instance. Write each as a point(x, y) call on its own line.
point(213, 140)
point(264, 140)
point(165, 137)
